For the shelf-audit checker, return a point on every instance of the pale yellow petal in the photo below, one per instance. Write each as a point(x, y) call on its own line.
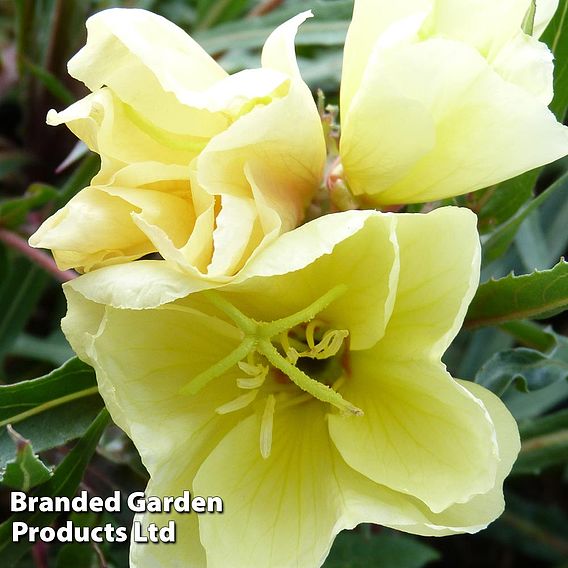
point(138, 285)
point(94, 229)
point(121, 136)
point(269, 134)
point(369, 502)
point(150, 64)
point(486, 129)
point(483, 509)
point(528, 63)
point(170, 481)
point(355, 248)
point(279, 52)
point(371, 18)
point(99, 226)
point(160, 351)
point(234, 228)
point(281, 511)
point(485, 25)
point(422, 434)
point(439, 274)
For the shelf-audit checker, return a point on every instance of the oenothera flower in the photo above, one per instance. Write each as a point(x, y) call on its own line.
point(308, 393)
point(202, 167)
point(444, 97)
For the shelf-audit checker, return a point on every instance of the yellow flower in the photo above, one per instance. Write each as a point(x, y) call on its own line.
point(444, 97)
point(201, 167)
point(308, 393)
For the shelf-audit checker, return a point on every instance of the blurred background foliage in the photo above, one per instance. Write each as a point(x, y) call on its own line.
point(514, 340)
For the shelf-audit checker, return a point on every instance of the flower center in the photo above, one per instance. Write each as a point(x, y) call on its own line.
point(300, 349)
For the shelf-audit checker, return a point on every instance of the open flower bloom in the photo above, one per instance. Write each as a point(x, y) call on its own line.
point(202, 167)
point(444, 97)
point(308, 393)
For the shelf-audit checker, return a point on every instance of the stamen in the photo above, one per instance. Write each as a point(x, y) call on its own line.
point(258, 374)
point(216, 370)
point(316, 389)
point(238, 403)
point(291, 354)
point(329, 345)
point(266, 425)
point(310, 328)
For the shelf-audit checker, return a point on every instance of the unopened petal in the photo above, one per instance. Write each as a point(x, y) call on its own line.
point(486, 129)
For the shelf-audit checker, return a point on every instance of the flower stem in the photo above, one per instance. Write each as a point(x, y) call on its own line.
point(38, 257)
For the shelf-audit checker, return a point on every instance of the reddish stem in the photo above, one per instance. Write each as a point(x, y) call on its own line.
point(38, 257)
point(39, 555)
point(265, 7)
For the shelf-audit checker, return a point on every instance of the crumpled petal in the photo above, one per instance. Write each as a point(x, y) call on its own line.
point(121, 136)
point(139, 285)
point(150, 64)
point(250, 172)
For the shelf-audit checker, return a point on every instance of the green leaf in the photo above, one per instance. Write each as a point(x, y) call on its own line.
point(11, 161)
point(525, 405)
point(64, 482)
point(13, 212)
point(355, 549)
point(51, 83)
point(538, 529)
point(536, 295)
point(211, 13)
point(26, 470)
point(530, 334)
point(80, 178)
point(543, 425)
point(506, 198)
point(528, 369)
point(328, 27)
point(49, 410)
point(21, 290)
point(556, 36)
point(82, 555)
point(531, 244)
point(542, 452)
point(53, 349)
point(497, 243)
